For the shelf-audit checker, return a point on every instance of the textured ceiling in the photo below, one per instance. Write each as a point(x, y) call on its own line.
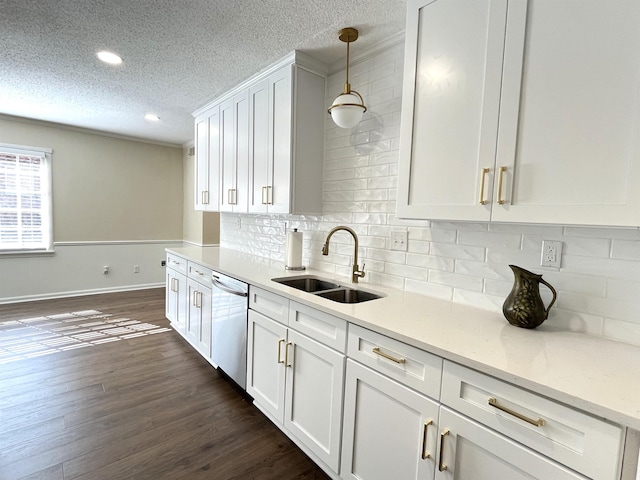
point(178, 54)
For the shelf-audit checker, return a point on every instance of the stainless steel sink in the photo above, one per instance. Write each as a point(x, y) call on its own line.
point(327, 289)
point(349, 295)
point(307, 283)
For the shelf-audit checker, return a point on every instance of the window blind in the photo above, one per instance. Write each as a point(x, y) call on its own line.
point(25, 200)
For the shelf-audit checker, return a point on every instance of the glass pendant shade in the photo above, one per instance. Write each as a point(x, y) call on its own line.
point(347, 110)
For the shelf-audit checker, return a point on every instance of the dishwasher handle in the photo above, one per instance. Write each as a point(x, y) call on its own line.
point(218, 284)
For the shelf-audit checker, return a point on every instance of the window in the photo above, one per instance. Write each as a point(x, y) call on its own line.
point(25, 199)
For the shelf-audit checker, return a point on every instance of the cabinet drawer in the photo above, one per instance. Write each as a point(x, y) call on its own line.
point(272, 305)
point(177, 263)
point(199, 273)
point(578, 440)
point(322, 327)
point(406, 364)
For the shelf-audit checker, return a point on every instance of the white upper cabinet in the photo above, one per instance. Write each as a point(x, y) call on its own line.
point(234, 152)
point(271, 131)
point(207, 164)
point(453, 68)
point(521, 111)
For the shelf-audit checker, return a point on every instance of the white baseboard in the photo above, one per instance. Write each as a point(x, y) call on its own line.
point(79, 293)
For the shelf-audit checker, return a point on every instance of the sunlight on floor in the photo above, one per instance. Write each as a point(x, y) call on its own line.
point(37, 336)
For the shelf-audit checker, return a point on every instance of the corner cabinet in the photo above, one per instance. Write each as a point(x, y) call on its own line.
point(514, 111)
point(262, 142)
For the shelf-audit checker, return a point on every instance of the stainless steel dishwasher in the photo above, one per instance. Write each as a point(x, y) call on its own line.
point(230, 302)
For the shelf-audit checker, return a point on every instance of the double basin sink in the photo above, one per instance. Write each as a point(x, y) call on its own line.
point(327, 289)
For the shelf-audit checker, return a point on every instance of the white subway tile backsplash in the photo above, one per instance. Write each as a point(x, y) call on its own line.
point(483, 270)
point(464, 282)
point(457, 251)
point(626, 249)
point(431, 289)
point(490, 239)
point(406, 271)
point(623, 331)
point(576, 322)
point(626, 290)
point(431, 262)
point(598, 282)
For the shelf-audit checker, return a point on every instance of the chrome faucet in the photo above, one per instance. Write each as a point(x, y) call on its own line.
point(355, 273)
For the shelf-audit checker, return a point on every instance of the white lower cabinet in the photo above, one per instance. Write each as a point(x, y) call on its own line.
point(410, 415)
point(470, 451)
point(176, 301)
point(389, 430)
point(199, 311)
point(199, 319)
point(295, 378)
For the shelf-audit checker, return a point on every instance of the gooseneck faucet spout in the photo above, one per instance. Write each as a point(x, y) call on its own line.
point(355, 272)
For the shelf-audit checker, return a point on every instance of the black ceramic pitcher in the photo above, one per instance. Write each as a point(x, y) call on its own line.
point(523, 307)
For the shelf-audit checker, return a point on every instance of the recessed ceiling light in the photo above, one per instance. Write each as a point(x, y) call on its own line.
point(109, 57)
point(152, 117)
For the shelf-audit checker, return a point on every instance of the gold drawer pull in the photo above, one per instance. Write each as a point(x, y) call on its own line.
point(483, 176)
point(494, 403)
point(280, 342)
point(286, 355)
point(377, 351)
point(441, 466)
point(425, 454)
point(501, 171)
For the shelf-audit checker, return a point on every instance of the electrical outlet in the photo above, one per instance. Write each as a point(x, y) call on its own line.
point(136, 269)
point(399, 240)
point(163, 263)
point(551, 253)
point(239, 223)
point(105, 270)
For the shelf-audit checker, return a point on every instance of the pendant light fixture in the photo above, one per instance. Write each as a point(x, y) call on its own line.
point(347, 109)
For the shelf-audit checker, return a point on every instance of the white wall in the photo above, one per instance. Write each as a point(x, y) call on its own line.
point(599, 281)
point(116, 202)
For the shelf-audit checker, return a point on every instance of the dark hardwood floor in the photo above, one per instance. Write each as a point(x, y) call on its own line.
point(142, 408)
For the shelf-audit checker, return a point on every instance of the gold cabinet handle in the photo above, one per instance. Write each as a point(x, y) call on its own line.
point(286, 355)
point(441, 466)
point(230, 196)
point(174, 284)
point(205, 197)
point(269, 195)
point(501, 171)
point(377, 351)
point(483, 176)
point(425, 454)
point(265, 196)
point(280, 342)
point(494, 403)
point(195, 299)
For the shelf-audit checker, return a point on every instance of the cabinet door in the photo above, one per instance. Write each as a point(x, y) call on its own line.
point(203, 341)
point(201, 180)
point(228, 179)
point(313, 405)
point(195, 312)
point(389, 429)
point(266, 351)
point(453, 68)
point(259, 147)
point(241, 132)
point(569, 113)
point(471, 451)
point(280, 128)
point(176, 300)
point(213, 197)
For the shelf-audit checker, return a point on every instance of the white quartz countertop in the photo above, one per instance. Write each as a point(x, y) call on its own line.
point(590, 373)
